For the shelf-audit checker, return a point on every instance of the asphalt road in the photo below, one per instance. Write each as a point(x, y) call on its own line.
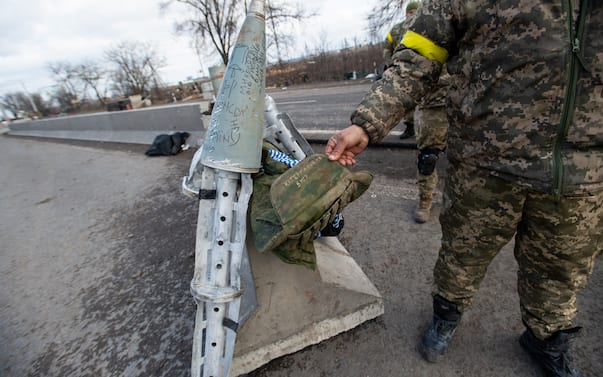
point(319, 111)
point(96, 256)
point(320, 108)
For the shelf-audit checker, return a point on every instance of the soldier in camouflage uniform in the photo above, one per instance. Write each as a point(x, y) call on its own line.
point(431, 123)
point(525, 151)
point(394, 36)
point(391, 42)
point(431, 139)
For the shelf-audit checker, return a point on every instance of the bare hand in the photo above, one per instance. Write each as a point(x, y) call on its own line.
point(345, 145)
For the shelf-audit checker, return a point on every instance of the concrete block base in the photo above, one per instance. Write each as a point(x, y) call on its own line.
point(298, 307)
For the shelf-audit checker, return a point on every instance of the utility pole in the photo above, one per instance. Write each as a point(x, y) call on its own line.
point(33, 104)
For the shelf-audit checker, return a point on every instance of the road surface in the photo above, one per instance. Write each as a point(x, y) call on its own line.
point(96, 257)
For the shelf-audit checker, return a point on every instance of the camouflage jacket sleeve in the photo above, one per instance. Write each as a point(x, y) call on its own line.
point(410, 77)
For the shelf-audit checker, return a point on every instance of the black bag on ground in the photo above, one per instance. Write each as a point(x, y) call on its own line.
point(167, 145)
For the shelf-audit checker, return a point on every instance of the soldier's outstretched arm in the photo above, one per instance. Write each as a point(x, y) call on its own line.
point(346, 144)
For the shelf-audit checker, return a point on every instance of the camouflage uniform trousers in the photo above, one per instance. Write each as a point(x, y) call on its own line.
point(556, 243)
point(431, 129)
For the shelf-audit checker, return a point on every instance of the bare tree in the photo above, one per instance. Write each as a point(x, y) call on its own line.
point(21, 102)
point(65, 99)
point(322, 68)
point(91, 74)
point(66, 76)
point(383, 15)
point(211, 23)
point(41, 105)
point(76, 81)
point(136, 66)
point(324, 45)
point(13, 102)
point(326, 64)
point(215, 23)
point(278, 17)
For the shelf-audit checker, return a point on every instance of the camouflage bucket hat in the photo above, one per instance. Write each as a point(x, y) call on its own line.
point(288, 210)
point(413, 5)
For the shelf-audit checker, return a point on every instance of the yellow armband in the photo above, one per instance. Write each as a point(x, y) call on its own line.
point(425, 47)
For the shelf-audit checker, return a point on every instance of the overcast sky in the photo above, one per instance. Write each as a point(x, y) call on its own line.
point(34, 33)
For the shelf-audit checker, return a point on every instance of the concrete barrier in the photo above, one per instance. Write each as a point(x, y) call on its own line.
point(129, 126)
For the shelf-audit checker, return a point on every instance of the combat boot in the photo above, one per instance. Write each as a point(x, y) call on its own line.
point(552, 354)
point(409, 131)
point(438, 335)
point(423, 209)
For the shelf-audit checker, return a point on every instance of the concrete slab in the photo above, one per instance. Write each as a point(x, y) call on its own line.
point(298, 307)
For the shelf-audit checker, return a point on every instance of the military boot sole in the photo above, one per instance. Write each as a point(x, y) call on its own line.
point(539, 358)
point(421, 218)
point(435, 353)
point(422, 212)
point(429, 356)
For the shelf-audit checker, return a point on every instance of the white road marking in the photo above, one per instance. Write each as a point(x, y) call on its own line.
point(332, 131)
point(296, 102)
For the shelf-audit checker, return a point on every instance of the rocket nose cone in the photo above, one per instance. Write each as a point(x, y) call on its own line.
point(233, 141)
point(258, 7)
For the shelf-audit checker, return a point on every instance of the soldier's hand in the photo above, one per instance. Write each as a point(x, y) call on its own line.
point(345, 145)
